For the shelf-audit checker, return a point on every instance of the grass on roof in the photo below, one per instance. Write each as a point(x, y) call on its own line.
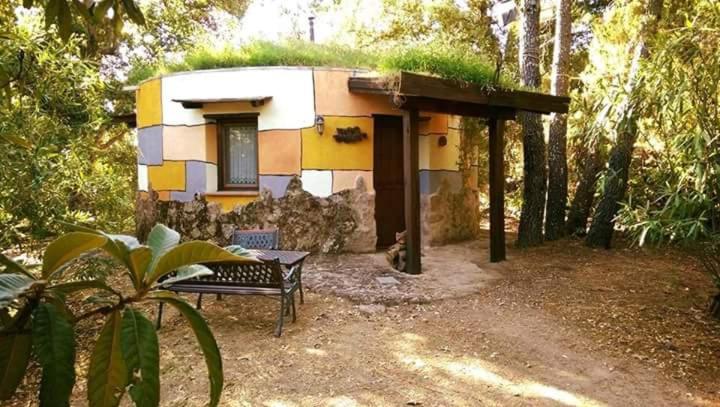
point(446, 63)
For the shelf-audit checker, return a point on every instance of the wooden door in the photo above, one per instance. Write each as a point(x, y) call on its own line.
point(388, 178)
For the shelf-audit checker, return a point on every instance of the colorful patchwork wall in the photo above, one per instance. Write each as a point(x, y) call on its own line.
point(178, 146)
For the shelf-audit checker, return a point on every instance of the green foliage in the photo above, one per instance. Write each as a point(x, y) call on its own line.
point(14, 358)
point(451, 63)
point(126, 353)
point(88, 18)
point(709, 256)
point(108, 373)
point(54, 345)
point(63, 157)
point(142, 353)
point(676, 195)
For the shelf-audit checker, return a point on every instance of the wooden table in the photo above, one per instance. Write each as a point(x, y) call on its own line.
point(288, 258)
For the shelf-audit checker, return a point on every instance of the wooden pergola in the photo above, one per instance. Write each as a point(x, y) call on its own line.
point(414, 93)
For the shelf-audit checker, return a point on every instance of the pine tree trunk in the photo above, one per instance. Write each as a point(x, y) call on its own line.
point(557, 141)
point(616, 179)
point(590, 165)
point(535, 170)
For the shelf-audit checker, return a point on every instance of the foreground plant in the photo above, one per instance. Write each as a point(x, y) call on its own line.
point(36, 320)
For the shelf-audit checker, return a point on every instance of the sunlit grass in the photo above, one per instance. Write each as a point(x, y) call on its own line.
point(449, 63)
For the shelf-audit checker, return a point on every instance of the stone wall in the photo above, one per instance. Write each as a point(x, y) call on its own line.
point(341, 222)
point(449, 216)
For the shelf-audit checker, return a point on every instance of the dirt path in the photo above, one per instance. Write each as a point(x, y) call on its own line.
point(464, 352)
point(557, 325)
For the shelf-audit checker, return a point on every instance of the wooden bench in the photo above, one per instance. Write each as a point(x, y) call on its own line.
point(265, 278)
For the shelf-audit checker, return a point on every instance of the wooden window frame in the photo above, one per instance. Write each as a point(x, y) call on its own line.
point(222, 123)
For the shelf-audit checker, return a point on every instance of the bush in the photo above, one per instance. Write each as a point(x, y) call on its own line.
point(63, 160)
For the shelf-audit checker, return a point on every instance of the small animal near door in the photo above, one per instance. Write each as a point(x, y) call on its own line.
point(388, 178)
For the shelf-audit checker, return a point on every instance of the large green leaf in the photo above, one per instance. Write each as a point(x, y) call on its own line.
point(12, 286)
point(54, 345)
point(118, 246)
point(161, 239)
point(189, 253)
point(142, 357)
point(108, 375)
point(68, 247)
point(140, 259)
point(15, 352)
point(73, 286)
point(14, 358)
point(205, 338)
point(12, 266)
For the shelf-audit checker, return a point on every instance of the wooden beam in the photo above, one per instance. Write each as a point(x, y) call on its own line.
point(458, 108)
point(411, 170)
point(422, 85)
point(496, 129)
point(414, 85)
point(371, 84)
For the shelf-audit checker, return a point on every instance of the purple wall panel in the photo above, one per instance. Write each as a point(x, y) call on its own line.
point(277, 184)
point(195, 182)
point(150, 145)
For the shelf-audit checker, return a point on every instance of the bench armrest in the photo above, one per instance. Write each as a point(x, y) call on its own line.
point(293, 274)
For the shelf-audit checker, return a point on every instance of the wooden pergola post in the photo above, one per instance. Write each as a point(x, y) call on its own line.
point(411, 171)
point(496, 128)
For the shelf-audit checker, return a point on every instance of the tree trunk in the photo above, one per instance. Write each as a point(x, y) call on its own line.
point(616, 179)
point(590, 165)
point(534, 171)
point(557, 142)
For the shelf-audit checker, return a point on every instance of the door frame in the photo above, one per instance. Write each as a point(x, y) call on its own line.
point(399, 118)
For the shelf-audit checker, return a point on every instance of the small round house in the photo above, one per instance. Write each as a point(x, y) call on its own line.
point(294, 148)
point(336, 159)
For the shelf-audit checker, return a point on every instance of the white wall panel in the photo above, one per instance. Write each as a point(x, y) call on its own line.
point(318, 183)
point(211, 173)
point(142, 178)
point(292, 105)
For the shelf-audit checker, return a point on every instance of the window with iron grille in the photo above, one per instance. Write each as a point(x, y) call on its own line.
point(238, 156)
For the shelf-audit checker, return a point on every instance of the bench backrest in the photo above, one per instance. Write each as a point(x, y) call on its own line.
point(257, 239)
point(267, 274)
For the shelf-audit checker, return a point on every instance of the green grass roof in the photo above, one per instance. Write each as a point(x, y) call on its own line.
point(442, 62)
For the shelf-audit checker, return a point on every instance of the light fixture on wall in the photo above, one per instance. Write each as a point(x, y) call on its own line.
point(320, 124)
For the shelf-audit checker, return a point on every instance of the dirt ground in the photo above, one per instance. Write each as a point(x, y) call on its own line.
point(556, 325)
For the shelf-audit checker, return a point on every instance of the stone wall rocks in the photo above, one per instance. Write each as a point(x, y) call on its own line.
point(342, 222)
point(449, 216)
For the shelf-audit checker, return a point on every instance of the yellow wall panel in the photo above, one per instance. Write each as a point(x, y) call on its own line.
point(229, 202)
point(149, 103)
point(169, 177)
point(446, 157)
point(323, 152)
point(279, 152)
